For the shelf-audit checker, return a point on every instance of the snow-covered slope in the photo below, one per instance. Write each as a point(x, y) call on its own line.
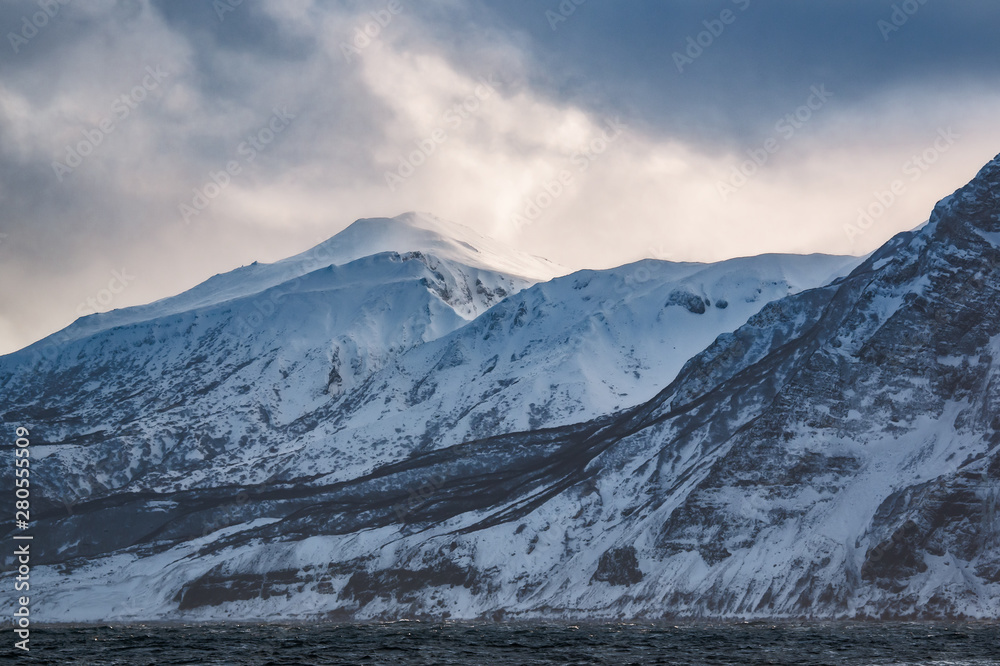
point(164, 397)
point(429, 234)
point(313, 377)
point(833, 454)
point(409, 232)
point(564, 351)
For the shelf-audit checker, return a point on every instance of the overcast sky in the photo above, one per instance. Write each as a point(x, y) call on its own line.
point(590, 132)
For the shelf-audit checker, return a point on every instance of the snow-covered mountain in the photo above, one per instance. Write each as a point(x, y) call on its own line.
point(407, 233)
point(564, 351)
point(234, 375)
point(417, 433)
point(300, 369)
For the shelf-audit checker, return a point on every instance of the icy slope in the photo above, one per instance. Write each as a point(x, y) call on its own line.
point(409, 232)
point(567, 350)
point(311, 377)
point(429, 234)
point(223, 392)
point(833, 456)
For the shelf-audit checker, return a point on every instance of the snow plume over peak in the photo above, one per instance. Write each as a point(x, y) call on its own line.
point(404, 234)
point(423, 232)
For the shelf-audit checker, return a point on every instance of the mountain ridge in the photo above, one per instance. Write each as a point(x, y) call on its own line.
point(409, 232)
point(832, 455)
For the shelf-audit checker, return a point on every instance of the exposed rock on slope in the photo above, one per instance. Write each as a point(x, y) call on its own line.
point(833, 456)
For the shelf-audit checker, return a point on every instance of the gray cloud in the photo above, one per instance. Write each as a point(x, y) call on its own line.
point(653, 190)
point(606, 53)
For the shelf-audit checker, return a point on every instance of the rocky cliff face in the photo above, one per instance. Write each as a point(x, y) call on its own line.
point(834, 455)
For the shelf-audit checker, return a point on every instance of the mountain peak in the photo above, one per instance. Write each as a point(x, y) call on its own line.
point(420, 220)
point(423, 232)
point(974, 204)
point(409, 232)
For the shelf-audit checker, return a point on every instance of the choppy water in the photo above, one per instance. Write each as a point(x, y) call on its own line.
point(500, 645)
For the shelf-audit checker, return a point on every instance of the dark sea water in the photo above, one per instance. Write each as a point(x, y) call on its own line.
point(500, 645)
